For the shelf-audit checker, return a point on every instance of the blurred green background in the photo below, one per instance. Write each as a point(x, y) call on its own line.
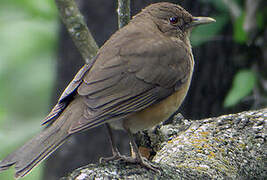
point(28, 45)
point(28, 48)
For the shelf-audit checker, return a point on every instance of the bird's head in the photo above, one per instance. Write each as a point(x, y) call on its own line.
point(173, 20)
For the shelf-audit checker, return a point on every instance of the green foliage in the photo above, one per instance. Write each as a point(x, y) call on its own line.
point(244, 80)
point(243, 84)
point(38, 9)
point(260, 19)
point(28, 41)
point(240, 36)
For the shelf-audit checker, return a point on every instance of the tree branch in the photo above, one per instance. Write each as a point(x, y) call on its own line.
point(123, 12)
point(77, 28)
point(250, 23)
point(225, 147)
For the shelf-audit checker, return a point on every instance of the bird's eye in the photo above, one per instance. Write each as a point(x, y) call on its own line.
point(173, 20)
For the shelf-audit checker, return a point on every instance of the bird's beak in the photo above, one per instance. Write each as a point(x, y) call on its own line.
point(201, 20)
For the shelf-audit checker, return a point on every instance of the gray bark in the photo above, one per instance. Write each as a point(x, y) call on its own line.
point(227, 147)
point(77, 28)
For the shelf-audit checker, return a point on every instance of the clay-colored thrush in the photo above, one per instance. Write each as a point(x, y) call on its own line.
point(139, 78)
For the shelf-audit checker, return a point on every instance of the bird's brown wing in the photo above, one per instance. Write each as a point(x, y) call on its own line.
point(68, 93)
point(130, 75)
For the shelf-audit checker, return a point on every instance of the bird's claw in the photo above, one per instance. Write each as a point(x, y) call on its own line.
point(131, 160)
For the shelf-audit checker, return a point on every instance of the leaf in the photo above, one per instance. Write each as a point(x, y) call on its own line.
point(240, 36)
point(243, 84)
point(260, 20)
point(204, 33)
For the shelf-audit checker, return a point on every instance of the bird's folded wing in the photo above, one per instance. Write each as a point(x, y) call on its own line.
point(130, 76)
point(67, 93)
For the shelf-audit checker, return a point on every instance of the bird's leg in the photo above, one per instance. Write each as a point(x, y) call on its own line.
point(115, 153)
point(137, 158)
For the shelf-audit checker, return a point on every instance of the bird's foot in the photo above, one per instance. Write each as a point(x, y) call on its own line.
point(132, 160)
point(142, 163)
point(115, 156)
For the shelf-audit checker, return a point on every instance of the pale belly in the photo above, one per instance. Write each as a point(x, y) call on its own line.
point(157, 113)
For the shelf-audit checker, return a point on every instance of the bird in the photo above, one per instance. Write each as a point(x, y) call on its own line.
point(138, 79)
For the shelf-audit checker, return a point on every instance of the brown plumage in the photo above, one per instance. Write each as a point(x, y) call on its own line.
point(139, 77)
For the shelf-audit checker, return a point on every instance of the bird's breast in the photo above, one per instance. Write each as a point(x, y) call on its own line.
point(157, 113)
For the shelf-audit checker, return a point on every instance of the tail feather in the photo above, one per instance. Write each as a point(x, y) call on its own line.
point(42, 145)
point(34, 151)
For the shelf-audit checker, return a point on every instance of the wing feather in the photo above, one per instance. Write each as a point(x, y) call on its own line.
point(129, 74)
point(133, 79)
point(65, 97)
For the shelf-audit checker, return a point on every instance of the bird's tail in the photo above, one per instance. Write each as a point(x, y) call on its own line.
point(40, 146)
